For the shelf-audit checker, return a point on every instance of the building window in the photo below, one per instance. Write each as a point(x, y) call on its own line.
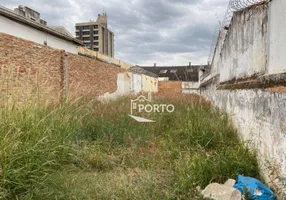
point(95, 32)
point(96, 38)
point(86, 39)
point(95, 26)
point(77, 33)
point(86, 33)
point(95, 43)
point(77, 28)
point(95, 49)
point(86, 27)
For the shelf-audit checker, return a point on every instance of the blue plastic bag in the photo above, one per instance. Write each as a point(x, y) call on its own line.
point(257, 189)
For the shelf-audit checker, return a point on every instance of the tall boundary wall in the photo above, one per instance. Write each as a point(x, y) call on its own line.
point(247, 80)
point(178, 87)
point(99, 56)
point(31, 71)
point(132, 83)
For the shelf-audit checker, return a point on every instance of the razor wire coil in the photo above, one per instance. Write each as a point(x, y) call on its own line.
point(241, 4)
point(234, 5)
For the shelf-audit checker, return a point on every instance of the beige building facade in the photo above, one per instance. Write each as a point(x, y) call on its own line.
point(96, 35)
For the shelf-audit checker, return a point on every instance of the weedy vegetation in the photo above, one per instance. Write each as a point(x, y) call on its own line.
point(93, 150)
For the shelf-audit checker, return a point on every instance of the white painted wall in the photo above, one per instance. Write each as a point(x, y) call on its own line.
point(260, 119)
point(244, 53)
point(129, 83)
point(137, 83)
point(217, 60)
point(277, 38)
point(191, 87)
point(124, 87)
point(124, 83)
point(258, 114)
point(26, 32)
point(162, 79)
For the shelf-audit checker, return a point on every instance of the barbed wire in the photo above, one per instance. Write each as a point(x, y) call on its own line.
point(234, 5)
point(241, 4)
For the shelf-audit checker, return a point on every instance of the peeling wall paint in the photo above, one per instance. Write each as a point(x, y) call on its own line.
point(132, 83)
point(245, 47)
point(254, 48)
point(137, 83)
point(260, 118)
point(149, 84)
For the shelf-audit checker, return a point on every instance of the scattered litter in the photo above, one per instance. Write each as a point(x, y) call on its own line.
point(246, 186)
point(257, 190)
point(222, 191)
point(230, 182)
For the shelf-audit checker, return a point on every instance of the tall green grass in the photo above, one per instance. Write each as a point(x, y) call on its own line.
point(34, 142)
point(93, 150)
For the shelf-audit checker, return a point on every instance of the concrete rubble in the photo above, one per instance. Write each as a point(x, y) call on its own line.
point(224, 191)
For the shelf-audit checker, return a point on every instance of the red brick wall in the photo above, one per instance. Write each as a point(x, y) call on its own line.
point(31, 70)
point(170, 87)
point(28, 68)
point(90, 77)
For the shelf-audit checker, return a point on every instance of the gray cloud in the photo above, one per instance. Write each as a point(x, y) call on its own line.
point(172, 32)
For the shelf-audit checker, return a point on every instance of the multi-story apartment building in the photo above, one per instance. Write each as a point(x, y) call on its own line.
point(96, 36)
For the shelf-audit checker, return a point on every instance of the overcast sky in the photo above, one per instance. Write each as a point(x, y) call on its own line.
point(166, 32)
